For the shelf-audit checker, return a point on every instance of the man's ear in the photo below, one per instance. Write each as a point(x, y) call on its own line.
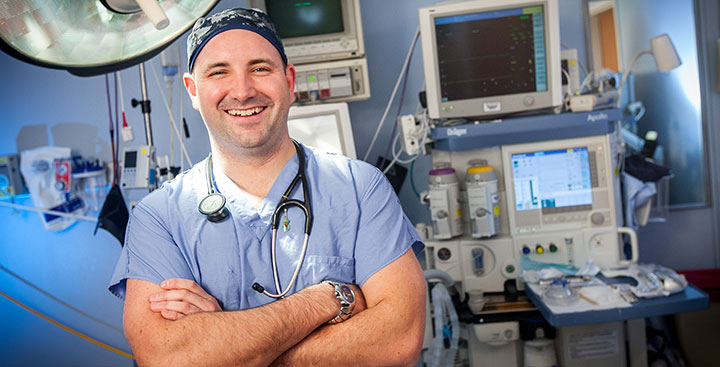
point(191, 89)
point(290, 76)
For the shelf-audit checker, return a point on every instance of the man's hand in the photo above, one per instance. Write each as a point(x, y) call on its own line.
point(182, 297)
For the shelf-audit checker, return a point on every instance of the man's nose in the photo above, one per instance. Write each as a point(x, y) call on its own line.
point(243, 87)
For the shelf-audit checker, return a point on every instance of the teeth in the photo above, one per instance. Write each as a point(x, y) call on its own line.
point(247, 112)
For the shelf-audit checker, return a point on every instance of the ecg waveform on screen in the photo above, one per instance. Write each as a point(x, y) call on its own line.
point(491, 56)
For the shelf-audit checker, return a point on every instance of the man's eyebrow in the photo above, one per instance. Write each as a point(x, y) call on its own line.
point(220, 64)
point(262, 61)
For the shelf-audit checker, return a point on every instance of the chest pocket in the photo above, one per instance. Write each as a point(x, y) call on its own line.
point(317, 268)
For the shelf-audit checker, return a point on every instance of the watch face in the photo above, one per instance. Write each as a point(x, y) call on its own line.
point(212, 204)
point(348, 293)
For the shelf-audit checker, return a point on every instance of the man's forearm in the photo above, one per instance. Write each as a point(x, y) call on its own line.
point(253, 337)
point(388, 333)
point(375, 337)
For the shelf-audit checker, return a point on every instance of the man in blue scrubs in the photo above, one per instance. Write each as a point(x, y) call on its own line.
point(188, 282)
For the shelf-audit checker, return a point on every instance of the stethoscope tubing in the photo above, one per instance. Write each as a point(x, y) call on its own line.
point(220, 212)
point(285, 202)
point(276, 276)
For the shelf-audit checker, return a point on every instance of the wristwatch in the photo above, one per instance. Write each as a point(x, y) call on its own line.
point(346, 298)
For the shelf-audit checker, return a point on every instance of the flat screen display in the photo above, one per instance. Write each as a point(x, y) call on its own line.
point(492, 53)
point(320, 131)
point(553, 181)
point(130, 159)
point(305, 18)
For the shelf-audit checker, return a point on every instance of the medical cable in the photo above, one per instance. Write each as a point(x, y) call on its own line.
point(180, 92)
point(112, 131)
point(58, 300)
point(117, 121)
point(412, 179)
point(400, 104)
point(392, 96)
point(66, 328)
point(170, 115)
point(48, 211)
point(396, 155)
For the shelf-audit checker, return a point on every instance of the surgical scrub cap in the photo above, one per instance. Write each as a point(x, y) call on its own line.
point(249, 19)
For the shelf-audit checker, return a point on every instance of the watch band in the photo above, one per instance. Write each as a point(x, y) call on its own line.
point(346, 298)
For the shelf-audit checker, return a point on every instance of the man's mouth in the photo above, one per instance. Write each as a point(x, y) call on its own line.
point(247, 112)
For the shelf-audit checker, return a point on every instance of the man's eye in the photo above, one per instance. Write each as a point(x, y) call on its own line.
point(261, 69)
point(217, 72)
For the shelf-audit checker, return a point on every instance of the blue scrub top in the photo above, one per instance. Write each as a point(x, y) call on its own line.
point(359, 228)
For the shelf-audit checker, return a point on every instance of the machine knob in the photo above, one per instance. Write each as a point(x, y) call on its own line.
point(510, 269)
point(442, 214)
point(539, 249)
point(553, 248)
point(597, 219)
point(525, 250)
point(444, 254)
point(508, 334)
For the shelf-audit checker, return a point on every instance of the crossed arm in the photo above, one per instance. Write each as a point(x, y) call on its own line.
point(289, 331)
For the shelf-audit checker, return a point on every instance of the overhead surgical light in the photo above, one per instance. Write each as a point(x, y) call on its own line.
point(92, 37)
point(664, 53)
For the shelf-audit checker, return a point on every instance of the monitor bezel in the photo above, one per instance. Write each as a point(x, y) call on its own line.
point(510, 103)
point(352, 24)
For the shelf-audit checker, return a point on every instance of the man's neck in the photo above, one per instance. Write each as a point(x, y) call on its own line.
point(253, 172)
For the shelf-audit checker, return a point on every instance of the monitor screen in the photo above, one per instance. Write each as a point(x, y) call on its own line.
point(491, 53)
point(130, 159)
point(306, 18)
point(326, 127)
point(553, 180)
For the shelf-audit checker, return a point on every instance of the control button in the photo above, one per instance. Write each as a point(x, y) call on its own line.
point(597, 219)
point(553, 248)
point(444, 254)
point(539, 249)
point(442, 214)
point(508, 334)
point(529, 101)
point(525, 250)
point(509, 269)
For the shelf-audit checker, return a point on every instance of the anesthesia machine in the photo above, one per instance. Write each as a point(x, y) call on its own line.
point(501, 202)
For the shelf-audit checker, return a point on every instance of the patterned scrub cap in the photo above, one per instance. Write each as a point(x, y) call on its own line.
point(252, 20)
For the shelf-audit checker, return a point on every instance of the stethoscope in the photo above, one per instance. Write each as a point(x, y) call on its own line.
point(213, 206)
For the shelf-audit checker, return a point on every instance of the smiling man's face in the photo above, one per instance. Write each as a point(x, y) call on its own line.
point(242, 89)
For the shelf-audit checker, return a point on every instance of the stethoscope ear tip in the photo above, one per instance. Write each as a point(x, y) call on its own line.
point(258, 288)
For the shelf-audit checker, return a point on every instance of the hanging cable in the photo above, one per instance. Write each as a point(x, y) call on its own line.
point(48, 211)
point(396, 155)
point(180, 100)
point(400, 104)
point(112, 130)
point(66, 328)
point(172, 119)
point(58, 300)
point(117, 122)
point(412, 179)
point(392, 96)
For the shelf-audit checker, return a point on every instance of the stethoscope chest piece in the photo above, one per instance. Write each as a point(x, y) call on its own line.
point(213, 205)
